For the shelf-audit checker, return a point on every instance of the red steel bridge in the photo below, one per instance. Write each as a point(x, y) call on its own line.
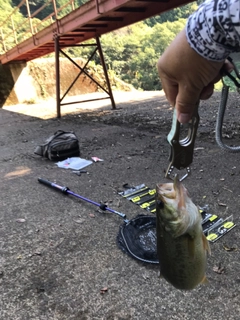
point(56, 32)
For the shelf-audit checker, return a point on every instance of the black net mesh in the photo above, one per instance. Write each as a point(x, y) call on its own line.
point(138, 238)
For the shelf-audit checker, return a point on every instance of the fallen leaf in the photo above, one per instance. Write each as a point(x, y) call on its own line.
point(199, 148)
point(37, 253)
point(219, 269)
point(229, 249)
point(21, 220)
point(118, 204)
point(222, 204)
point(80, 221)
point(103, 290)
point(227, 189)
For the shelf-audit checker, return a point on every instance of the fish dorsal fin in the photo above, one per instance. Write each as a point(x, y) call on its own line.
point(206, 245)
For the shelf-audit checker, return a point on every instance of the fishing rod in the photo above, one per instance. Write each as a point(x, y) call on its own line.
point(66, 190)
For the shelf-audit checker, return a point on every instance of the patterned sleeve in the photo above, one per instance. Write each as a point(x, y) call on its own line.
point(214, 29)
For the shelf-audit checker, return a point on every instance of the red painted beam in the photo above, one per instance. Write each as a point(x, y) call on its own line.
point(87, 22)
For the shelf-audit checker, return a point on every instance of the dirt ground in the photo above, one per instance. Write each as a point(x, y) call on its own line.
point(57, 252)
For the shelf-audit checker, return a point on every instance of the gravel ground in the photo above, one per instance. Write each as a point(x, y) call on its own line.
point(58, 254)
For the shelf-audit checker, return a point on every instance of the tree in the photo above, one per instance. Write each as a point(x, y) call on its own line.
point(173, 15)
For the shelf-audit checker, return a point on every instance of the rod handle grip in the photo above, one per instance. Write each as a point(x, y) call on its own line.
point(44, 181)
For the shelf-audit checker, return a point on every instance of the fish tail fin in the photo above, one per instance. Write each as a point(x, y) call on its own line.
point(206, 244)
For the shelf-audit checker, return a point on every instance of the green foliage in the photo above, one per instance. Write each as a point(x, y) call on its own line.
point(34, 5)
point(7, 25)
point(173, 15)
point(132, 52)
point(228, 81)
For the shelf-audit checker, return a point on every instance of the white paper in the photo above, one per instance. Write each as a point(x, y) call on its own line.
point(74, 163)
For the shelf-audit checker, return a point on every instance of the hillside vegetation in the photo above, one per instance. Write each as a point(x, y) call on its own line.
point(131, 53)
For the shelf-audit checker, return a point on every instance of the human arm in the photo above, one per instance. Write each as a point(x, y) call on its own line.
point(191, 65)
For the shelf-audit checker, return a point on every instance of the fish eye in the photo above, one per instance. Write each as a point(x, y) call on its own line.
point(160, 204)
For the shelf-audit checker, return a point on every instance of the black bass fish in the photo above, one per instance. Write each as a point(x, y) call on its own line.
point(182, 247)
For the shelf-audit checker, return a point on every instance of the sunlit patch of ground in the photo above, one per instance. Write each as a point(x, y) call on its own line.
point(47, 109)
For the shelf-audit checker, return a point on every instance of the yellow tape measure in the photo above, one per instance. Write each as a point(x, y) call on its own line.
point(228, 225)
point(146, 204)
point(138, 198)
point(212, 236)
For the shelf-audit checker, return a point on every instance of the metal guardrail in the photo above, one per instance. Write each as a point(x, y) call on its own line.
point(14, 30)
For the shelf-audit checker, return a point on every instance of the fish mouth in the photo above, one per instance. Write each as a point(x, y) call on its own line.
point(166, 191)
point(170, 190)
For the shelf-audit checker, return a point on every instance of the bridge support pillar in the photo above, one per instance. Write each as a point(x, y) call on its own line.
point(15, 84)
point(82, 70)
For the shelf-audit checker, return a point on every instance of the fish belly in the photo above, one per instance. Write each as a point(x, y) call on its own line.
point(181, 265)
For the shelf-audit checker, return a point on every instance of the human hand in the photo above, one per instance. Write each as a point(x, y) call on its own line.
point(186, 76)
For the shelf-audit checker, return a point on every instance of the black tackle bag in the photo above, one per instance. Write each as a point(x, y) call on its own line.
point(60, 146)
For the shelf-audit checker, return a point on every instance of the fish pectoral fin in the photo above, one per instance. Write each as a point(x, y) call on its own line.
point(205, 280)
point(206, 245)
